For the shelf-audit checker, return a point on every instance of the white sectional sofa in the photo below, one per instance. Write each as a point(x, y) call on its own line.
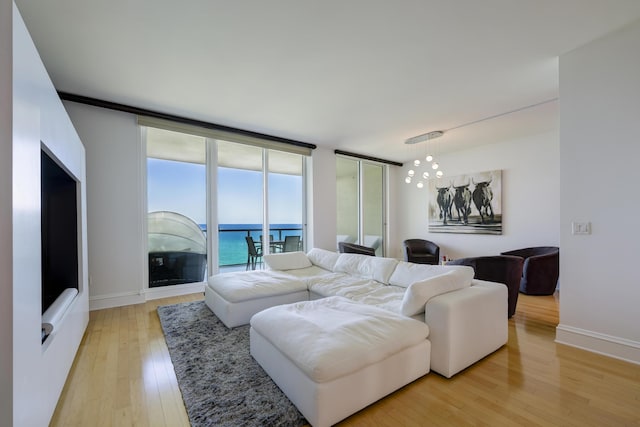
point(467, 318)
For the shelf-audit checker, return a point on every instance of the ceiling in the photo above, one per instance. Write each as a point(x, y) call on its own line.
point(356, 75)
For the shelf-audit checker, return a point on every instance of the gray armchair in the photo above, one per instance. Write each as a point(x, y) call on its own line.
point(540, 270)
point(421, 251)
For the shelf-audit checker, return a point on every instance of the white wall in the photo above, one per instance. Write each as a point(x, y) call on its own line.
point(530, 198)
point(322, 200)
point(395, 215)
point(599, 116)
point(114, 204)
point(39, 370)
point(6, 213)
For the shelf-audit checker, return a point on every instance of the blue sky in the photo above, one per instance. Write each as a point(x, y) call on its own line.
point(181, 187)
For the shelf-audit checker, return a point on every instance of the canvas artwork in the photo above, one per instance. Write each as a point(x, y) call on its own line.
point(470, 203)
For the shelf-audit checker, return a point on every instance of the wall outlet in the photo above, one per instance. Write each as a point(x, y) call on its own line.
point(580, 228)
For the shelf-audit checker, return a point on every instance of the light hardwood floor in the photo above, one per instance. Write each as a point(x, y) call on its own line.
point(123, 376)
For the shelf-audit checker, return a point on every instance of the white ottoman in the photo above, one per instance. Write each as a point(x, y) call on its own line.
point(235, 297)
point(333, 357)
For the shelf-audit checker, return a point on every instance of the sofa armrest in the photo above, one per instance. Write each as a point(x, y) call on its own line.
point(466, 325)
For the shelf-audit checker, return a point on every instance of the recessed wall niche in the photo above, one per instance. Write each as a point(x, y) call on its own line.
point(59, 230)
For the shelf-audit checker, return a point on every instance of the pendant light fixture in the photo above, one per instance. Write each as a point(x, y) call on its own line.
point(429, 160)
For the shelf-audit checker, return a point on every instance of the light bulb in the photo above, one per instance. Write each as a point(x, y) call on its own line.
point(416, 162)
point(411, 172)
point(425, 175)
point(429, 158)
point(420, 184)
point(408, 180)
point(439, 174)
point(435, 165)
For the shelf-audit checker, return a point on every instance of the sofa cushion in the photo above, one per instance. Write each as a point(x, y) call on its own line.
point(308, 272)
point(341, 284)
point(323, 258)
point(287, 261)
point(382, 296)
point(407, 273)
point(334, 336)
point(375, 268)
point(418, 293)
point(353, 264)
point(240, 286)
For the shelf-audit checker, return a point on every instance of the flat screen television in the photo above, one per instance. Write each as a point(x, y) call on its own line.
point(59, 230)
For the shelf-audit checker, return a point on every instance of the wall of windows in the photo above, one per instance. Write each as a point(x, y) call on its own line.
point(254, 192)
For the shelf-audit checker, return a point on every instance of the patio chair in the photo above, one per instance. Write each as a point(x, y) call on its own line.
point(177, 249)
point(291, 244)
point(254, 255)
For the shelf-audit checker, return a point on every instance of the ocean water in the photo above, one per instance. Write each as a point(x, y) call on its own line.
point(233, 245)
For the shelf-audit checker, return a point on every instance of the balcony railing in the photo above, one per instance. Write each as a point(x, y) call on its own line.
point(232, 253)
point(232, 245)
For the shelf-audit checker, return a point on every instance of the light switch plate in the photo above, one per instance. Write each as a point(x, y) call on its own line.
point(580, 228)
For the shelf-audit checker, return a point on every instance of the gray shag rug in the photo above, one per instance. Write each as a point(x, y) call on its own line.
point(221, 384)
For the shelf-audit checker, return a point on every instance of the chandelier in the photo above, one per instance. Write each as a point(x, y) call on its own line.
point(430, 172)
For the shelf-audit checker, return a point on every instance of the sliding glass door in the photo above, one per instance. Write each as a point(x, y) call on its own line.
point(239, 194)
point(260, 204)
point(285, 196)
point(348, 200)
point(360, 203)
point(177, 208)
point(372, 206)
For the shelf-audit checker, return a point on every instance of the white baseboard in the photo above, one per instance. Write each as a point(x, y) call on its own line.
point(100, 302)
point(173, 291)
point(115, 300)
point(607, 345)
